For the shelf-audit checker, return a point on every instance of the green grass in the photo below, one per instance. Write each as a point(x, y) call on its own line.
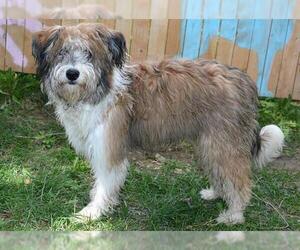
point(43, 182)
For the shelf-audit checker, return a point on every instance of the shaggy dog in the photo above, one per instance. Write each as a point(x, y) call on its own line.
point(108, 105)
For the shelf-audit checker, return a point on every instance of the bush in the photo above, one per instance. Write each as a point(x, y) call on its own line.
point(15, 86)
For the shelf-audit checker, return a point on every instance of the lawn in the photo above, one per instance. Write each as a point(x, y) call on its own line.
point(43, 182)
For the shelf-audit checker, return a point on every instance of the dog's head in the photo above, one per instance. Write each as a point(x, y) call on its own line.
point(76, 63)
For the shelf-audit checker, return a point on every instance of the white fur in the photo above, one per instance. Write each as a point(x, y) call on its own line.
point(104, 195)
point(85, 124)
point(208, 194)
point(86, 127)
point(272, 142)
point(231, 217)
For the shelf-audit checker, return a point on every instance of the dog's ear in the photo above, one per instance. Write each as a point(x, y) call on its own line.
point(41, 41)
point(113, 40)
point(117, 47)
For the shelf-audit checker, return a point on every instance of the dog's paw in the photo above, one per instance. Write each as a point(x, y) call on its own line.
point(208, 194)
point(89, 213)
point(231, 218)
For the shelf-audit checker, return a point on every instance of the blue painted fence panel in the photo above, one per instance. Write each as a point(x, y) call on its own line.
point(265, 37)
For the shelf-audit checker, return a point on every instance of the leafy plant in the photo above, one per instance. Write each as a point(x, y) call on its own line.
point(286, 114)
point(15, 86)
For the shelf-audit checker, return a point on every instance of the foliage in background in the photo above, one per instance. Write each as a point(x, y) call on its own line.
point(15, 86)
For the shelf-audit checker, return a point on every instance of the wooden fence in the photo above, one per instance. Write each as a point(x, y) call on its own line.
point(261, 38)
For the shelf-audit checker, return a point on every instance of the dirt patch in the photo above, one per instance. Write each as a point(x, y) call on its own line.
point(153, 161)
point(288, 162)
point(184, 153)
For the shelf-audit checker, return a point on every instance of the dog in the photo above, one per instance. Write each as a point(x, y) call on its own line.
point(108, 105)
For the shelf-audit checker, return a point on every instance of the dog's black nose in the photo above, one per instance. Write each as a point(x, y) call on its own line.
point(72, 74)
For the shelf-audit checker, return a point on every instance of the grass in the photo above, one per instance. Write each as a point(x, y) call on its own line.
point(43, 182)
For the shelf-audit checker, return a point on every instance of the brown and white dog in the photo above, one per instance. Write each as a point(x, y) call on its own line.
point(108, 105)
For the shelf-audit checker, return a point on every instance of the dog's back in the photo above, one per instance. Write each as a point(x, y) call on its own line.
point(184, 99)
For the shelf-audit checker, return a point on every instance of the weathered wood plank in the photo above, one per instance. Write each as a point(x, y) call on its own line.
point(175, 9)
point(278, 35)
point(158, 30)
point(140, 30)
point(157, 39)
point(228, 30)
point(14, 44)
point(211, 27)
point(296, 91)
point(31, 26)
point(173, 38)
point(15, 36)
point(141, 9)
point(274, 57)
point(193, 31)
point(259, 43)
point(296, 10)
point(289, 62)
point(174, 29)
point(140, 39)
point(124, 24)
point(2, 35)
point(241, 51)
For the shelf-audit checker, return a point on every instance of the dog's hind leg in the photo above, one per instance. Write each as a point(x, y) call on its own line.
point(229, 174)
point(234, 185)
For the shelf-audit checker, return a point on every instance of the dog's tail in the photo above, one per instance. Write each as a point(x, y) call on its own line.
point(268, 145)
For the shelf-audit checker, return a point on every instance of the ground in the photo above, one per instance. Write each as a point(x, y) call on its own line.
point(43, 182)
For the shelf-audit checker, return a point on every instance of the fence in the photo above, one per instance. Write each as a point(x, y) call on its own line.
point(260, 37)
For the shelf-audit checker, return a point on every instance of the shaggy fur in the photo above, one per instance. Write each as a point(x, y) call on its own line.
point(82, 11)
point(113, 106)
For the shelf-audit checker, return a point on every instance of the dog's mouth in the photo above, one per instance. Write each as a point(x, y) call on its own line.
point(72, 92)
point(70, 82)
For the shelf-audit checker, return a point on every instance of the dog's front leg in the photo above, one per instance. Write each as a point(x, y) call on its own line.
point(104, 195)
point(106, 147)
point(109, 163)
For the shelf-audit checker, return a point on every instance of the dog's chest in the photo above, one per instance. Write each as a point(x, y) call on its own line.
point(85, 127)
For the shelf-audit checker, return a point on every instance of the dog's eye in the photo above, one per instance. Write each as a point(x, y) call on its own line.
point(62, 52)
point(88, 53)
